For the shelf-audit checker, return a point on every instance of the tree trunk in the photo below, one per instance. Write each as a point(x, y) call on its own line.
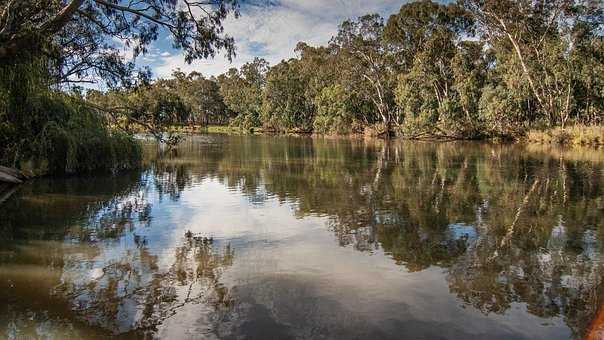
point(54, 25)
point(518, 51)
point(29, 40)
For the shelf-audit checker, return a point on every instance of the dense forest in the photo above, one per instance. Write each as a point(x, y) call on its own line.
point(470, 69)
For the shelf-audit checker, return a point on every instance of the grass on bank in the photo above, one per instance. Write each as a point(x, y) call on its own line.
point(206, 129)
point(576, 135)
point(570, 135)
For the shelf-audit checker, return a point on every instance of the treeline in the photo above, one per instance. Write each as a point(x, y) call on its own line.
point(471, 69)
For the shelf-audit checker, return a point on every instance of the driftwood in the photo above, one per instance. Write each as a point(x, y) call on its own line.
point(13, 176)
point(7, 178)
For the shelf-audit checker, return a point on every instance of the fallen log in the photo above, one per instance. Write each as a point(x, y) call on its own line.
point(7, 178)
point(13, 176)
point(14, 172)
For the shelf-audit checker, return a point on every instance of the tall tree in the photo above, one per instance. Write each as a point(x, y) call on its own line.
point(543, 37)
point(202, 95)
point(242, 92)
point(424, 36)
point(470, 70)
point(82, 38)
point(284, 105)
point(408, 30)
point(366, 58)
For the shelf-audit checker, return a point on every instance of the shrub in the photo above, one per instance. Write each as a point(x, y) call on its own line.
point(500, 113)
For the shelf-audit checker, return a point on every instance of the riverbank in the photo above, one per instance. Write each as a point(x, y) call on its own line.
point(572, 136)
point(576, 135)
point(580, 135)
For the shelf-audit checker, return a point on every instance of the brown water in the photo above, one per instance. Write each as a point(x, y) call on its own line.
point(311, 239)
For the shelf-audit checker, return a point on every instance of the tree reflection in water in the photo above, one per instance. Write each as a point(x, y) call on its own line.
point(132, 293)
point(464, 207)
point(115, 289)
point(508, 225)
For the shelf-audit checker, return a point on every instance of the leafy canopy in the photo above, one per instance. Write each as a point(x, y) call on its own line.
point(82, 38)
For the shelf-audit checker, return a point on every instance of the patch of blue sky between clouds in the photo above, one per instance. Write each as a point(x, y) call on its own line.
point(269, 29)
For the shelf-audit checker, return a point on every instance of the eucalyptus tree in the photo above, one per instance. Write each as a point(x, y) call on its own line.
point(203, 97)
point(82, 39)
point(469, 68)
point(407, 31)
point(284, 104)
point(241, 91)
point(335, 111)
point(366, 65)
point(424, 36)
point(319, 66)
point(545, 42)
point(425, 93)
point(157, 109)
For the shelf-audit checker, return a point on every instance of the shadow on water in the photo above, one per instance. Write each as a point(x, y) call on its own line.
point(314, 238)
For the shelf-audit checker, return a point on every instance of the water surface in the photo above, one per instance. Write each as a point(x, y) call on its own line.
point(260, 237)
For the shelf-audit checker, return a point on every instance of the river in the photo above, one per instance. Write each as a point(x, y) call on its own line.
point(274, 237)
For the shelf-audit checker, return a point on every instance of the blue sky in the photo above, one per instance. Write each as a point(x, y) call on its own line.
point(269, 29)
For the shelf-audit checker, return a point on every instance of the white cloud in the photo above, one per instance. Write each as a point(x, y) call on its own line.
point(125, 50)
point(272, 32)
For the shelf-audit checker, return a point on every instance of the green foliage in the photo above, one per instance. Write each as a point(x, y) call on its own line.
point(52, 132)
point(539, 49)
point(82, 143)
point(241, 91)
point(588, 89)
point(415, 98)
point(368, 67)
point(417, 21)
point(285, 107)
point(500, 111)
point(201, 96)
point(334, 111)
point(156, 108)
point(469, 68)
point(433, 70)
